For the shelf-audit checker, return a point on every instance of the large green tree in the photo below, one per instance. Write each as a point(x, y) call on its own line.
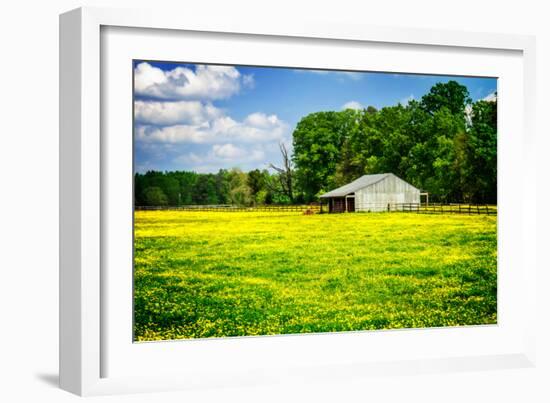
point(317, 142)
point(450, 95)
point(481, 161)
point(154, 196)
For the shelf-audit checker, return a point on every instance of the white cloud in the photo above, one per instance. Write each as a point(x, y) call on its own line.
point(248, 81)
point(405, 101)
point(238, 154)
point(228, 151)
point(147, 76)
point(217, 128)
point(353, 105)
point(261, 120)
point(222, 156)
point(171, 113)
point(353, 75)
point(256, 155)
point(492, 97)
point(205, 82)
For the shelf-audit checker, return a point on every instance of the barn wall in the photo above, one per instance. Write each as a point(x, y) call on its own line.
point(389, 190)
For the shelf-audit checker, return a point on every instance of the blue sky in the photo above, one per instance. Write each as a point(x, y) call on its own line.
point(207, 117)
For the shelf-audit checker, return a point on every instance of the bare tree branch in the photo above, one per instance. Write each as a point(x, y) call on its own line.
point(285, 173)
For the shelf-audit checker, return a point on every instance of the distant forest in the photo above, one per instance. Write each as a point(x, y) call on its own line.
point(443, 144)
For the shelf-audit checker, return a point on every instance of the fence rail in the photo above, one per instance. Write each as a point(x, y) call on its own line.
point(419, 208)
point(225, 207)
point(440, 208)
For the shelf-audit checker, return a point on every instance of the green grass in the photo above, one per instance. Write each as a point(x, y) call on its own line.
point(212, 274)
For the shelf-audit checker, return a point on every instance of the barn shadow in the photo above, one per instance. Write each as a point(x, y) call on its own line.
point(49, 379)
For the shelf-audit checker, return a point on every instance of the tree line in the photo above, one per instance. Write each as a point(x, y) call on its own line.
point(227, 186)
point(443, 144)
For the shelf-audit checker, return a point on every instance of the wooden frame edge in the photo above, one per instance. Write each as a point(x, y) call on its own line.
point(79, 148)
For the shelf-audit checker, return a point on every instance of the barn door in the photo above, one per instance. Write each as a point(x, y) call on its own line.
point(351, 204)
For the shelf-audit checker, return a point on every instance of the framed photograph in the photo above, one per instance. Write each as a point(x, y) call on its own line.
point(245, 204)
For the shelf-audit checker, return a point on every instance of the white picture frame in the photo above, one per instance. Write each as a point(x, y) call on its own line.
point(87, 345)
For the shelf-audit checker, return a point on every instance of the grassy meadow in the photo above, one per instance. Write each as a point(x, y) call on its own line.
point(215, 274)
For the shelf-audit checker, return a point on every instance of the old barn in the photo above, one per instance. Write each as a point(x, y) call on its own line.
point(371, 193)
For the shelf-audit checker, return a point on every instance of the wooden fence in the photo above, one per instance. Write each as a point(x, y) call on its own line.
point(419, 208)
point(440, 208)
point(315, 208)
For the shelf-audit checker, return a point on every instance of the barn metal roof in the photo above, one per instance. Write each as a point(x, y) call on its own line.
point(362, 182)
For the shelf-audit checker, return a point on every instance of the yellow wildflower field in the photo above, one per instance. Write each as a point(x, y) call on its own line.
point(218, 274)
